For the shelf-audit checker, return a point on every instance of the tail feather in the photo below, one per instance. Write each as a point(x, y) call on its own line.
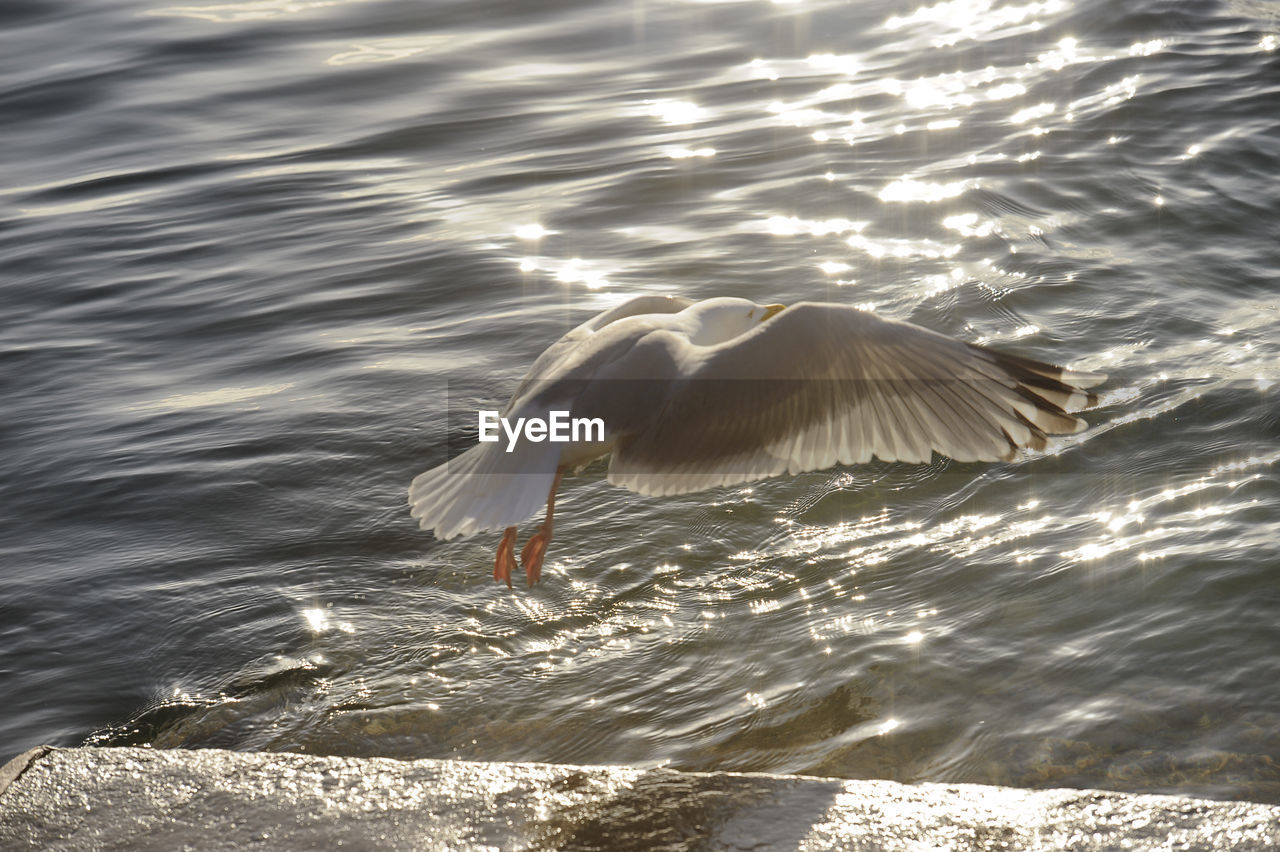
point(484, 489)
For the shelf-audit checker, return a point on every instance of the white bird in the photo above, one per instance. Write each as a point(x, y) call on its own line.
point(699, 394)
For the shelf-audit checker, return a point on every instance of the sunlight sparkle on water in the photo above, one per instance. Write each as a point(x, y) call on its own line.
point(681, 153)
point(973, 19)
point(591, 274)
point(676, 112)
point(830, 62)
point(1121, 91)
point(252, 10)
point(790, 226)
point(1031, 113)
point(1204, 516)
point(387, 49)
point(532, 231)
point(902, 248)
point(203, 399)
point(934, 285)
point(1005, 91)
point(909, 189)
point(1064, 53)
point(318, 621)
point(969, 225)
point(1146, 48)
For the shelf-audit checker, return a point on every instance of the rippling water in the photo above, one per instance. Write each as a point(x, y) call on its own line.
point(248, 248)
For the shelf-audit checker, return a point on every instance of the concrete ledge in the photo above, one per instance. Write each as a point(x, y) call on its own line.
point(141, 799)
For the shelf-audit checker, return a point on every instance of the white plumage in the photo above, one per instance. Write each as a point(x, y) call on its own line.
point(723, 391)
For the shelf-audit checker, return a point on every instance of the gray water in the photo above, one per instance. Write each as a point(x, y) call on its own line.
point(252, 251)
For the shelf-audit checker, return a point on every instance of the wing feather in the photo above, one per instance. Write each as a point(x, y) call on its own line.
point(484, 488)
point(823, 384)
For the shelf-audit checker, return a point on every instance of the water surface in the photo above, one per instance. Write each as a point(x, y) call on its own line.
point(252, 252)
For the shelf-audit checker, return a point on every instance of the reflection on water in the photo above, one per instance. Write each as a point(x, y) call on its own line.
point(251, 10)
point(881, 616)
point(256, 242)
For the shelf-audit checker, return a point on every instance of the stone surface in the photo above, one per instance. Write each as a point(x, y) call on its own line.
point(143, 799)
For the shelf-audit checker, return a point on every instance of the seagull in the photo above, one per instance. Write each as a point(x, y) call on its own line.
point(698, 394)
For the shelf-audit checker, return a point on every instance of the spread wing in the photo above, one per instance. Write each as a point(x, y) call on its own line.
point(822, 384)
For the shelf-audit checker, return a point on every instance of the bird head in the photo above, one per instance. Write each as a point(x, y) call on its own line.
point(714, 321)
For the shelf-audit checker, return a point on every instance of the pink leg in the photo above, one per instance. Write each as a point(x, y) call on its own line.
point(506, 561)
point(536, 547)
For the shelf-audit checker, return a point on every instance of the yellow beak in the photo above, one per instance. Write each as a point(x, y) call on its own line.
point(770, 310)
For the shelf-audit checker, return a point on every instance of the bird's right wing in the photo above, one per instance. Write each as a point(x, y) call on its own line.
point(820, 384)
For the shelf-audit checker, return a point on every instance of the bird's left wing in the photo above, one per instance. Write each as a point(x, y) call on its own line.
point(821, 384)
point(563, 358)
